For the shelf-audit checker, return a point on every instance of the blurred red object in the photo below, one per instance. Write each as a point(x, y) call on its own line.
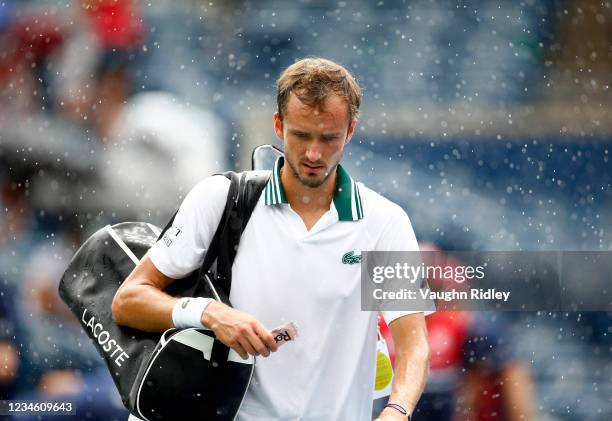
point(116, 23)
point(30, 39)
point(447, 332)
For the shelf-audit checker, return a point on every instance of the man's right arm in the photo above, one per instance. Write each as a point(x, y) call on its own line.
point(141, 303)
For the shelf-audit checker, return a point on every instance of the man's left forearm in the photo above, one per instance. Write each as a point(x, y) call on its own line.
point(411, 362)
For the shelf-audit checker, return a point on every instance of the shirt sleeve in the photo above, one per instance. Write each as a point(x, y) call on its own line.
point(182, 248)
point(398, 235)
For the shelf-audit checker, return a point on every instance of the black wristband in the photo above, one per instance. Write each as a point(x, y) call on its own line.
point(399, 408)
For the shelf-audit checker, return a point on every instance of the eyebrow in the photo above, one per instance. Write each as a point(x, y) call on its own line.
point(327, 135)
point(337, 134)
point(295, 131)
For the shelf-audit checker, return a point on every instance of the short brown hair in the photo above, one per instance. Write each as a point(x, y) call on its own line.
point(312, 80)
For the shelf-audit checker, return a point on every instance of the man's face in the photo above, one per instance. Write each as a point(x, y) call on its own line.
point(314, 138)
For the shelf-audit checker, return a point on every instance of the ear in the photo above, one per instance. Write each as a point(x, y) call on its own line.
point(351, 131)
point(278, 126)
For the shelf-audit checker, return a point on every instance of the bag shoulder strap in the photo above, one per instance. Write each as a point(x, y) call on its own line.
point(244, 192)
point(253, 185)
point(249, 186)
point(238, 210)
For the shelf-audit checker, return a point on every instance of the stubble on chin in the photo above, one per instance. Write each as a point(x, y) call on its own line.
point(312, 183)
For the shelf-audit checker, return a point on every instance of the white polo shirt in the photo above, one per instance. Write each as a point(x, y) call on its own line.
point(284, 272)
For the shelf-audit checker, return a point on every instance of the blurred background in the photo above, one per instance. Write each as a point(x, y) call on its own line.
point(489, 122)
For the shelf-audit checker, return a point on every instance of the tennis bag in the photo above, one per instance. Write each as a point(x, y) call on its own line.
point(180, 373)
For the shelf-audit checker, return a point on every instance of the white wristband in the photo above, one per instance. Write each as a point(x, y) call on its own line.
point(187, 312)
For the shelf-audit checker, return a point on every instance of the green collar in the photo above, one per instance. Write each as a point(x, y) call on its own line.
point(346, 197)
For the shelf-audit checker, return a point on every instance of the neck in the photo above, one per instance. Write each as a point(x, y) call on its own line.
point(301, 197)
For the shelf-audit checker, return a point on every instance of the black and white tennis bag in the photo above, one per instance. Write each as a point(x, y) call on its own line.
point(180, 373)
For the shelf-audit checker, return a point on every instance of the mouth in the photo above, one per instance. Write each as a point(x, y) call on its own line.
point(316, 169)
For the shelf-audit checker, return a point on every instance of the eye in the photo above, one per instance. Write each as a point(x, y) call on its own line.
point(300, 135)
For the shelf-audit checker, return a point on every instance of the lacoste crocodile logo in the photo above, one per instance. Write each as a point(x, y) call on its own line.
point(350, 258)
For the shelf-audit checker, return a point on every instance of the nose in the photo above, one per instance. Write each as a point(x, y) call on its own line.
point(313, 152)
